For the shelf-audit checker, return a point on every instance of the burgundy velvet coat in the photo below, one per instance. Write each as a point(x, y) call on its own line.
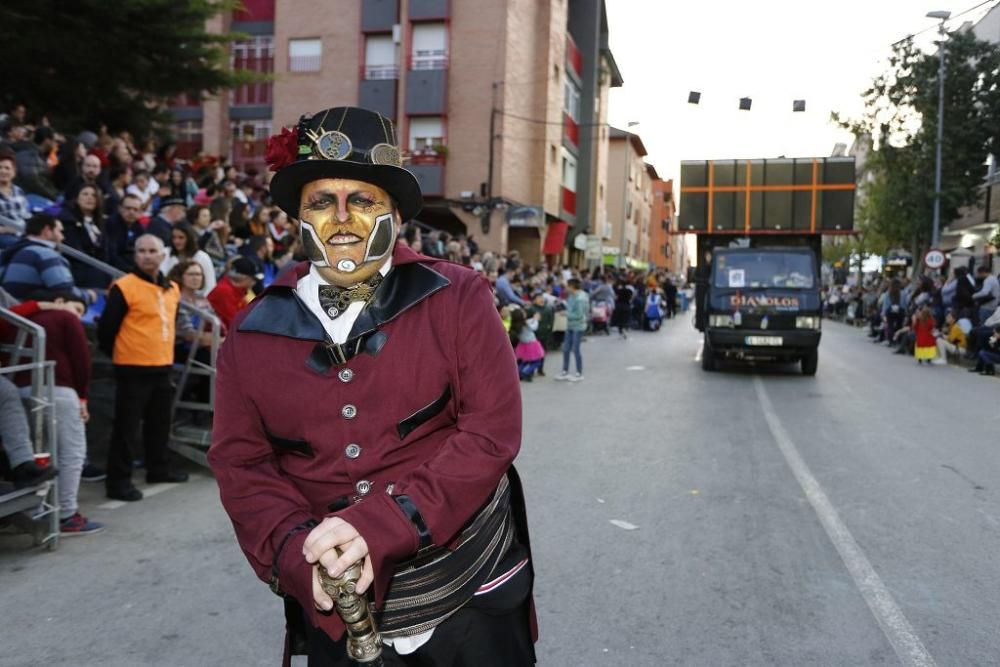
point(429, 405)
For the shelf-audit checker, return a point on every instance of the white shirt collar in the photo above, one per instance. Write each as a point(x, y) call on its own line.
point(340, 328)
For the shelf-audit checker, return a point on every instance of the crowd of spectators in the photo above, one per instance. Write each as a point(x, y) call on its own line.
point(204, 235)
point(930, 318)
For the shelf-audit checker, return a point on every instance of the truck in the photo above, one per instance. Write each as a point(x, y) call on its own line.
point(760, 226)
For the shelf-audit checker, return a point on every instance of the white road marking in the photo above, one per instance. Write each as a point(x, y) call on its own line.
point(701, 348)
point(635, 368)
point(908, 647)
point(624, 525)
point(147, 492)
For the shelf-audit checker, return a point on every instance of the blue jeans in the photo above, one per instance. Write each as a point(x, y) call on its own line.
point(571, 342)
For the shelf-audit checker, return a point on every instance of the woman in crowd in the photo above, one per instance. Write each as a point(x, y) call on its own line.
point(182, 186)
point(190, 278)
point(623, 309)
point(184, 246)
point(925, 346)
point(529, 352)
point(894, 310)
point(83, 227)
point(212, 234)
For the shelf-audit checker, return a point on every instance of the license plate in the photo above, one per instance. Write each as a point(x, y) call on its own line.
point(766, 341)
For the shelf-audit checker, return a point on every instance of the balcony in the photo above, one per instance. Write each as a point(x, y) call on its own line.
point(379, 15)
point(427, 10)
point(424, 59)
point(574, 59)
point(254, 94)
point(571, 131)
point(425, 91)
point(569, 201)
point(379, 94)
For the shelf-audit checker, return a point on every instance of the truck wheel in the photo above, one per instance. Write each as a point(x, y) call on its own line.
point(707, 356)
point(810, 361)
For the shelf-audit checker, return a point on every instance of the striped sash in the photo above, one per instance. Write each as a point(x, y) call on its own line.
point(434, 585)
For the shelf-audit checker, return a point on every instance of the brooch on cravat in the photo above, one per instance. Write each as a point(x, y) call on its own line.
point(335, 300)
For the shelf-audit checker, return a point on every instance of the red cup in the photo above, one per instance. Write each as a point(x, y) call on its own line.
point(43, 460)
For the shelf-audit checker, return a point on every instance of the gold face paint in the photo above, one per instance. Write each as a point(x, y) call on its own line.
point(338, 217)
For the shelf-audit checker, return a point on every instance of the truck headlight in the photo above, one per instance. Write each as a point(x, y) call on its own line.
point(808, 322)
point(720, 320)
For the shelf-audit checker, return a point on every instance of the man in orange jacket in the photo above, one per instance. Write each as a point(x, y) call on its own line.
point(137, 328)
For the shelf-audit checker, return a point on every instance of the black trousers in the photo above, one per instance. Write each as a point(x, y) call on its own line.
point(144, 397)
point(470, 638)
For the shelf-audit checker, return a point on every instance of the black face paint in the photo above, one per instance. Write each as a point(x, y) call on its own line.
point(314, 253)
point(381, 239)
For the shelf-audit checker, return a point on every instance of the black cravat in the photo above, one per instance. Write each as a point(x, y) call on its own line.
point(335, 300)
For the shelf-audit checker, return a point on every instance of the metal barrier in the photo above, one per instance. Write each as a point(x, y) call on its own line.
point(188, 440)
point(38, 506)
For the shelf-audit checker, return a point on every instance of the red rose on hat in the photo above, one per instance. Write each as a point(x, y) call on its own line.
point(282, 149)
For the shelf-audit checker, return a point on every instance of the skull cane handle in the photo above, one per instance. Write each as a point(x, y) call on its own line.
point(364, 645)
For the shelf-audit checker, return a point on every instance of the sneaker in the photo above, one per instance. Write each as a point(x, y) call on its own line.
point(30, 473)
point(79, 525)
point(562, 376)
point(92, 473)
point(576, 378)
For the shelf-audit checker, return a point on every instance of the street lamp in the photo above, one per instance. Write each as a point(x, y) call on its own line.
point(942, 16)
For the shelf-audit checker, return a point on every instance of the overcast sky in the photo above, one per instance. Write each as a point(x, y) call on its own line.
point(774, 51)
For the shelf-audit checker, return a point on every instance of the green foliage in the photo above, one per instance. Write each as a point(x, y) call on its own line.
point(113, 62)
point(901, 118)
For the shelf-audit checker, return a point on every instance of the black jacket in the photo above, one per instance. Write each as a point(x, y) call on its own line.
point(77, 237)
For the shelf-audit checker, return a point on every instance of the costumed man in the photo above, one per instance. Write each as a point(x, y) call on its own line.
point(368, 404)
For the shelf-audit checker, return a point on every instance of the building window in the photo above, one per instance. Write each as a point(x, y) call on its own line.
point(305, 55)
point(381, 61)
point(429, 46)
point(553, 152)
point(253, 55)
point(425, 133)
point(571, 100)
point(188, 135)
point(600, 191)
point(568, 171)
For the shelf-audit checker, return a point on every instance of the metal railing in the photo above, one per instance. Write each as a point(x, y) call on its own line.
point(381, 72)
point(187, 441)
point(27, 353)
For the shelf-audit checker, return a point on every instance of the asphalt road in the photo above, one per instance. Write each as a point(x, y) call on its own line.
point(747, 517)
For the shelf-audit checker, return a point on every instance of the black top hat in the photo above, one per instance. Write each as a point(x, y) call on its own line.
point(342, 142)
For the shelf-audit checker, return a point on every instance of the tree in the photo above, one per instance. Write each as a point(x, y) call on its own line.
point(113, 62)
point(901, 116)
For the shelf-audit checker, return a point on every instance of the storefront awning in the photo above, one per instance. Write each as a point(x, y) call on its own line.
point(555, 238)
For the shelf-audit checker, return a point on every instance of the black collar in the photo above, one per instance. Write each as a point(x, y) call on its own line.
point(161, 280)
point(281, 313)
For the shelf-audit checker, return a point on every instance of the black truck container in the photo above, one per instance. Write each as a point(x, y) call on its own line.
point(760, 225)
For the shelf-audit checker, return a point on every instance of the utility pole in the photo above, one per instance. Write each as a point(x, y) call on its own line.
point(484, 219)
point(940, 127)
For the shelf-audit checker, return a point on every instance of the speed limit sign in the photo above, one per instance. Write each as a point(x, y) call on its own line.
point(934, 259)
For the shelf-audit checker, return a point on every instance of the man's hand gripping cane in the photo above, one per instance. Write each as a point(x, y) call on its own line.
point(342, 572)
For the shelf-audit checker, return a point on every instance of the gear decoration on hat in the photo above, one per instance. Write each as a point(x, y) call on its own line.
point(331, 144)
point(385, 154)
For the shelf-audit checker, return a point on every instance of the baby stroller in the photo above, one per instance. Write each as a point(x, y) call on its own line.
point(600, 316)
point(653, 312)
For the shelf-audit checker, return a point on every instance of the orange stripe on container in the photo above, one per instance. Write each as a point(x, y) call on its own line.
point(711, 192)
point(746, 205)
point(815, 195)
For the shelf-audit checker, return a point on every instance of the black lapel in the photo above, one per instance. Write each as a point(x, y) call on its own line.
point(405, 286)
point(279, 312)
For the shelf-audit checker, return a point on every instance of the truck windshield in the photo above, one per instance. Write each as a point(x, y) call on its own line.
point(792, 270)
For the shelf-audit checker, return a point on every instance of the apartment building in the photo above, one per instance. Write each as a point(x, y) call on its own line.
point(501, 107)
point(630, 202)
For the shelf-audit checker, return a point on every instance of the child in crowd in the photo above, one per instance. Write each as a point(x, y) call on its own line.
point(925, 348)
point(529, 352)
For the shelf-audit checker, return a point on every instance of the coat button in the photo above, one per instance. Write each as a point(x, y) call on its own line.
point(363, 487)
point(346, 375)
point(348, 411)
point(353, 451)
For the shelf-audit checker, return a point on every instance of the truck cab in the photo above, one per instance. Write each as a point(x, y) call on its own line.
point(762, 304)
